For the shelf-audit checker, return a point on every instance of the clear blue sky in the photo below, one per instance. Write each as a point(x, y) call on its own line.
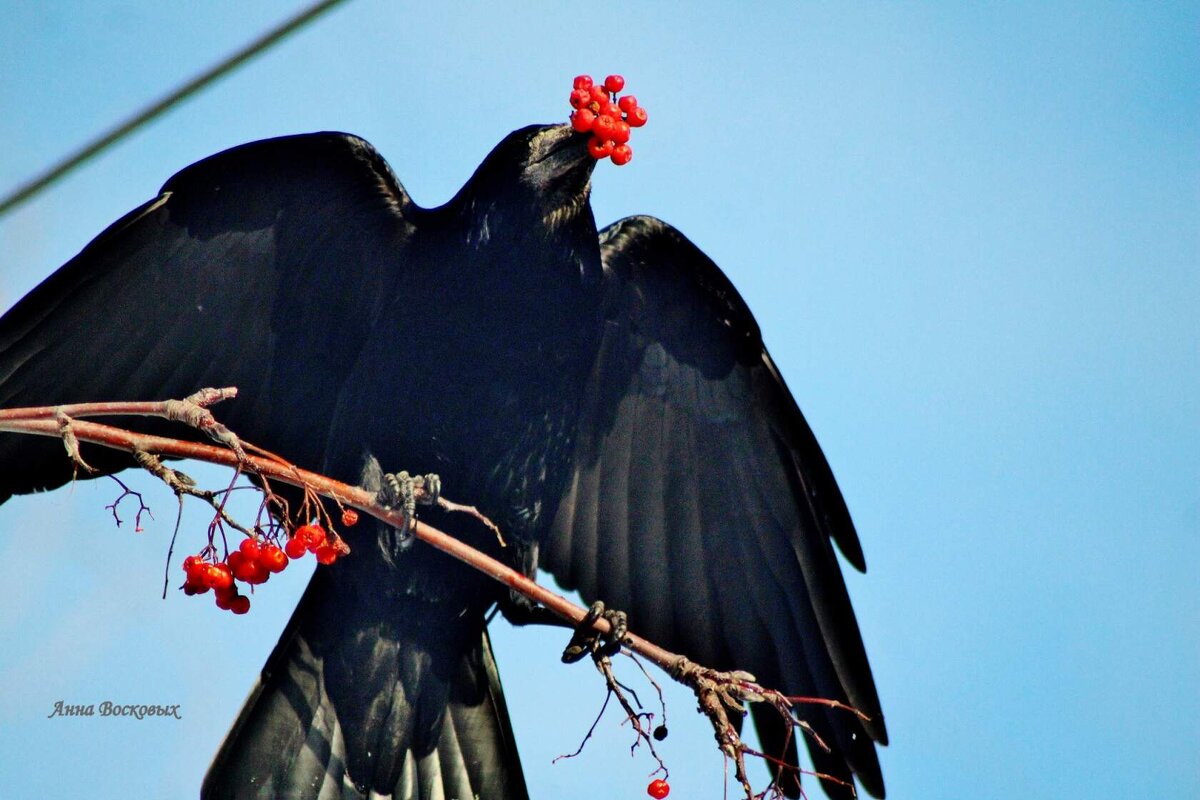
point(971, 235)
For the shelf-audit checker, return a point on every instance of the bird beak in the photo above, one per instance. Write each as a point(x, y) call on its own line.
point(559, 158)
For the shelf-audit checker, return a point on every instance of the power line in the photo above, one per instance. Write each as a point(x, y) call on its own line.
point(54, 173)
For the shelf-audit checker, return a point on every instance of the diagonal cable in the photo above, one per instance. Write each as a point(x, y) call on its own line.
point(102, 142)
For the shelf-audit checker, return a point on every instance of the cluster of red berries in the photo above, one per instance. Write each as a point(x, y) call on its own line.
point(608, 119)
point(255, 560)
point(312, 539)
point(203, 575)
point(658, 789)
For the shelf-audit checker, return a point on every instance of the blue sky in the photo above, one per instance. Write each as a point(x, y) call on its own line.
point(970, 233)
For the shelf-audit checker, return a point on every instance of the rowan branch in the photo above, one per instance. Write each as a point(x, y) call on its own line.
point(718, 693)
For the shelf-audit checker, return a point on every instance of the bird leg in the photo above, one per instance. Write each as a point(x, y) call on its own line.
point(403, 491)
point(588, 641)
point(521, 610)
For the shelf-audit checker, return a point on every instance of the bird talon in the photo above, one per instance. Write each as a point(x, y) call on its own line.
point(398, 492)
point(620, 624)
point(431, 485)
point(587, 639)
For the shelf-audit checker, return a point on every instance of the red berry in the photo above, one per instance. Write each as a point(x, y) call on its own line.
point(258, 572)
point(313, 536)
point(195, 568)
point(349, 517)
point(252, 572)
point(225, 598)
point(622, 155)
point(240, 567)
point(627, 103)
point(620, 133)
point(604, 127)
point(583, 82)
point(208, 575)
point(636, 118)
point(599, 148)
point(658, 789)
point(327, 554)
point(316, 537)
point(240, 604)
point(582, 120)
point(295, 548)
point(196, 571)
point(614, 83)
point(273, 558)
point(250, 548)
point(219, 576)
point(580, 98)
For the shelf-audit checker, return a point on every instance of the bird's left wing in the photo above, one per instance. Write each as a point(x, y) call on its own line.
point(262, 267)
point(701, 502)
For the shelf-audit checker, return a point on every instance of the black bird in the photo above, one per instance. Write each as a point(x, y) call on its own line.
point(606, 398)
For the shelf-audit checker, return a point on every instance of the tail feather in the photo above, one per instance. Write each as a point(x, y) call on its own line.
point(400, 704)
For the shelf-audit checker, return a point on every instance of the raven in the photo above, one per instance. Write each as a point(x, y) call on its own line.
point(605, 397)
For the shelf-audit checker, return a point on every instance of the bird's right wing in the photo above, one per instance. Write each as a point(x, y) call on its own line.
point(263, 267)
point(701, 503)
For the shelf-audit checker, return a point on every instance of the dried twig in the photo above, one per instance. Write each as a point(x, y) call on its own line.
point(127, 492)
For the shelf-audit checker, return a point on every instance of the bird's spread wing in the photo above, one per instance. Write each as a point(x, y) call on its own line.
point(701, 502)
point(261, 267)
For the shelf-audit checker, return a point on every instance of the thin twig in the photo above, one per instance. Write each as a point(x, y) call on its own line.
point(127, 492)
point(662, 703)
point(171, 546)
point(604, 665)
point(603, 706)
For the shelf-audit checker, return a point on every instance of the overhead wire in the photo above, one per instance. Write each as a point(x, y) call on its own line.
point(56, 172)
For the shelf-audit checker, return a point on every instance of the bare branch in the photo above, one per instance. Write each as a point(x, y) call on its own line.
point(182, 484)
point(718, 693)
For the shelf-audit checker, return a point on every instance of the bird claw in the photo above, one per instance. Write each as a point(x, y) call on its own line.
point(587, 640)
point(403, 491)
point(431, 486)
point(398, 491)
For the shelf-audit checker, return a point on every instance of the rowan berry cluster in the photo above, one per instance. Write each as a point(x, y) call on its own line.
point(312, 539)
point(255, 560)
point(598, 111)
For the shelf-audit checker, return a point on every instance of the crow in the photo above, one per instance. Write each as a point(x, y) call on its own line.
point(605, 397)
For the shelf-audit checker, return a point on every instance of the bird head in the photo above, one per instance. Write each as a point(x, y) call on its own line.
point(544, 170)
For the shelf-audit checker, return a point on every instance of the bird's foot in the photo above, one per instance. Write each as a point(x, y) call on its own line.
point(588, 641)
point(428, 488)
point(403, 491)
